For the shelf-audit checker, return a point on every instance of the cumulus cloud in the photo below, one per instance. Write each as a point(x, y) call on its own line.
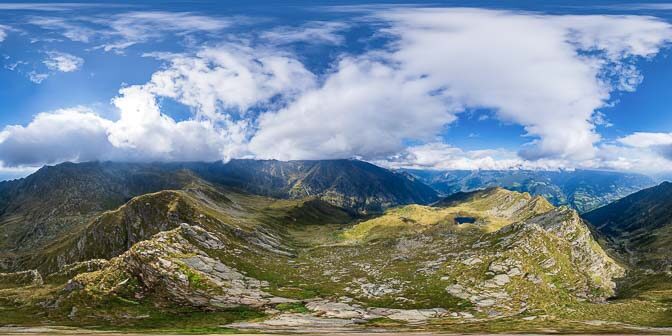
point(230, 77)
point(64, 135)
point(544, 72)
point(644, 139)
point(63, 62)
point(147, 134)
point(220, 85)
point(364, 108)
point(656, 143)
point(646, 160)
point(79, 134)
point(548, 73)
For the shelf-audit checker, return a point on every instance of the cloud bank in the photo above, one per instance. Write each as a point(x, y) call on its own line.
point(549, 74)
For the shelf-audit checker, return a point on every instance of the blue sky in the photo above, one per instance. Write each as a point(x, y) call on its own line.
point(436, 85)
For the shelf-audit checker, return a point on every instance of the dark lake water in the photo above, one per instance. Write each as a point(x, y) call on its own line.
point(465, 220)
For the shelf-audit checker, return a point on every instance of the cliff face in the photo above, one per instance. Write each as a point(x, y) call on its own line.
point(174, 267)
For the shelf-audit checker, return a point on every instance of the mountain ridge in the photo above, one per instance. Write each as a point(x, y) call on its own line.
point(583, 190)
point(204, 243)
point(640, 226)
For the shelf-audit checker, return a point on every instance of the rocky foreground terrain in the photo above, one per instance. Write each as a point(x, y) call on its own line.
point(191, 254)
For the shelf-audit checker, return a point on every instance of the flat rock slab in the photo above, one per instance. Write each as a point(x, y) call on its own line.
point(44, 331)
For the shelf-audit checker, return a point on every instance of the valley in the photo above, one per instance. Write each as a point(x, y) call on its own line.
point(193, 251)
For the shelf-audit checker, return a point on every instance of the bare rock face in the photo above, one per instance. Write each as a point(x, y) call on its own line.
point(585, 253)
point(532, 262)
point(173, 264)
point(342, 310)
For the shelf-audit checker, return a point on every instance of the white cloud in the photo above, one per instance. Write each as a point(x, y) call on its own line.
point(77, 32)
point(3, 32)
point(652, 144)
point(313, 32)
point(365, 108)
point(148, 134)
point(644, 139)
point(11, 173)
point(37, 77)
point(441, 156)
point(139, 27)
point(51, 7)
point(547, 73)
point(216, 80)
point(645, 160)
point(219, 84)
point(63, 62)
point(531, 69)
point(79, 134)
point(544, 72)
point(120, 31)
point(71, 134)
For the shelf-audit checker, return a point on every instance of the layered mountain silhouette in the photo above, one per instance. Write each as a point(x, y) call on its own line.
point(583, 190)
point(341, 244)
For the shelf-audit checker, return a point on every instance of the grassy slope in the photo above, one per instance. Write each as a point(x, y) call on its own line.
point(416, 251)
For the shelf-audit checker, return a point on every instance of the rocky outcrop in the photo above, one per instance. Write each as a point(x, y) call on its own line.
point(585, 253)
point(341, 310)
point(534, 263)
point(174, 265)
point(333, 316)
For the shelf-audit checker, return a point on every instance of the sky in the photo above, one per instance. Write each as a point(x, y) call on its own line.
point(433, 85)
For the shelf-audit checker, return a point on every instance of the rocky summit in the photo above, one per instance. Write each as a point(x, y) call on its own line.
point(322, 246)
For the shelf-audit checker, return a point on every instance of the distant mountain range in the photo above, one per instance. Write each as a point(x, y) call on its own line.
point(350, 184)
point(583, 190)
